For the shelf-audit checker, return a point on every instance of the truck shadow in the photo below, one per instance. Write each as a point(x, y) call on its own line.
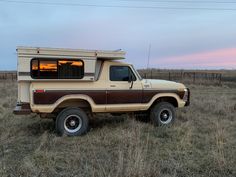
point(106, 120)
point(40, 126)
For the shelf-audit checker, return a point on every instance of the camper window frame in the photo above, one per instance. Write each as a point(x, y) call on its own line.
point(57, 60)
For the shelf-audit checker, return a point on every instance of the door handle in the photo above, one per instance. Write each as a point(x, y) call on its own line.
point(113, 85)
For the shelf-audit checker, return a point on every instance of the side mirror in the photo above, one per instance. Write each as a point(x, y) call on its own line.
point(130, 78)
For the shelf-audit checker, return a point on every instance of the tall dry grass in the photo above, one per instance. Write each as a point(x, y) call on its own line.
point(200, 143)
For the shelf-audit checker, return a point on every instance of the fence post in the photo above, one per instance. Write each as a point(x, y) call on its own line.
point(194, 77)
point(169, 75)
point(220, 79)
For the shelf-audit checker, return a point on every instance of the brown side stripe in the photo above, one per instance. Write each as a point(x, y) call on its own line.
point(103, 96)
point(50, 97)
point(148, 94)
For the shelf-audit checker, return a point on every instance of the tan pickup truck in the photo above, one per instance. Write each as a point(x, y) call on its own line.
point(68, 85)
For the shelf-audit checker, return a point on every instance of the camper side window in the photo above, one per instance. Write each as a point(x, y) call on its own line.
point(57, 69)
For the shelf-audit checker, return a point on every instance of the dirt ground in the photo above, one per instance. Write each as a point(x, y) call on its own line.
point(202, 142)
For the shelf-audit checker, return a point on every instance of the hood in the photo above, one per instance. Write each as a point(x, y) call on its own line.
point(162, 84)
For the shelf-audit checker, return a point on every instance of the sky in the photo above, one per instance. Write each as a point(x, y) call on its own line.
point(179, 38)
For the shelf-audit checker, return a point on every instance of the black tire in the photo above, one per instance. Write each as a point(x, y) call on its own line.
point(162, 114)
point(72, 122)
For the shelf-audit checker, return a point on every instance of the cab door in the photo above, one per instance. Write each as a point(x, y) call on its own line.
point(124, 87)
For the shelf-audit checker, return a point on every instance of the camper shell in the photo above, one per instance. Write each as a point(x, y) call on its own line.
point(70, 84)
point(91, 59)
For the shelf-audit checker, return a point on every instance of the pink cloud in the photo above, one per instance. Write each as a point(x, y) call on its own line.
point(223, 58)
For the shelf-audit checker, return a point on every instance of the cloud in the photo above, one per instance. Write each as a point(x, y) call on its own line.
point(222, 58)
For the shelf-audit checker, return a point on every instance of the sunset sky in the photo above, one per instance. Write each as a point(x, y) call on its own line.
point(192, 38)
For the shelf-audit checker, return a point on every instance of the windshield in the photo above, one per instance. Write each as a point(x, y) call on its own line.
point(136, 72)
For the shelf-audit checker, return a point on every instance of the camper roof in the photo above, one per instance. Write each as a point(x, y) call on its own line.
point(99, 54)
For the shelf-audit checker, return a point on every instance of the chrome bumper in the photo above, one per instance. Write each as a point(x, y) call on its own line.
point(22, 109)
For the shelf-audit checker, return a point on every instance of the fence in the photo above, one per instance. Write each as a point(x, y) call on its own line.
point(187, 76)
point(8, 75)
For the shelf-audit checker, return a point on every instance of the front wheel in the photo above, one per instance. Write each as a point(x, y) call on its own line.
point(72, 122)
point(162, 114)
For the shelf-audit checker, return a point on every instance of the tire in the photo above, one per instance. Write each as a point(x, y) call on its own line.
point(162, 114)
point(72, 122)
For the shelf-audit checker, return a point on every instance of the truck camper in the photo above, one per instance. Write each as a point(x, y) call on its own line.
point(68, 85)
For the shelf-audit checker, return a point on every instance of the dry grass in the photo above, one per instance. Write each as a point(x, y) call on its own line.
point(201, 142)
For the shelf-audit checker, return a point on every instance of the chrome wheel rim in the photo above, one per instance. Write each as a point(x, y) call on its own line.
point(72, 123)
point(165, 116)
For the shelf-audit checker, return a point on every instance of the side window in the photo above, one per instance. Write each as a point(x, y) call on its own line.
point(47, 69)
point(70, 69)
point(121, 73)
point(57, 69)
point(34, 68)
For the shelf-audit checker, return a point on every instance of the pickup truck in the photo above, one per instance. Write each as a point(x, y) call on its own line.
point(68, 85)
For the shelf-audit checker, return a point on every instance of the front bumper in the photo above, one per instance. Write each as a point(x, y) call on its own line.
point(22, 109)
point(187, 103)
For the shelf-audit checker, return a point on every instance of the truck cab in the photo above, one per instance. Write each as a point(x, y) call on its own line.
point(68, 85)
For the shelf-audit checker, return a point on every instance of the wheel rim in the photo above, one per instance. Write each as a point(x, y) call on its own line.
point(165, 116)
point(72, 123)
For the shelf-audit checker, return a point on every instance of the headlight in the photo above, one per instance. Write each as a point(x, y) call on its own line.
point(185, 98)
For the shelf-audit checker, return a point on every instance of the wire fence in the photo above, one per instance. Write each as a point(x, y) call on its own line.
point(175, 75)
point(8, 75)
point(186, 76)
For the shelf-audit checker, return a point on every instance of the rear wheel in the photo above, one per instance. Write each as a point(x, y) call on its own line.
point(72, 122)
point(162, 114)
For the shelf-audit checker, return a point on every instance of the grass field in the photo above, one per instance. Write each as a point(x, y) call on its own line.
point(202, 142)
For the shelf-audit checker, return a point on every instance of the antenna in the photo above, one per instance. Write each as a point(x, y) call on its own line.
point(149, 51)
